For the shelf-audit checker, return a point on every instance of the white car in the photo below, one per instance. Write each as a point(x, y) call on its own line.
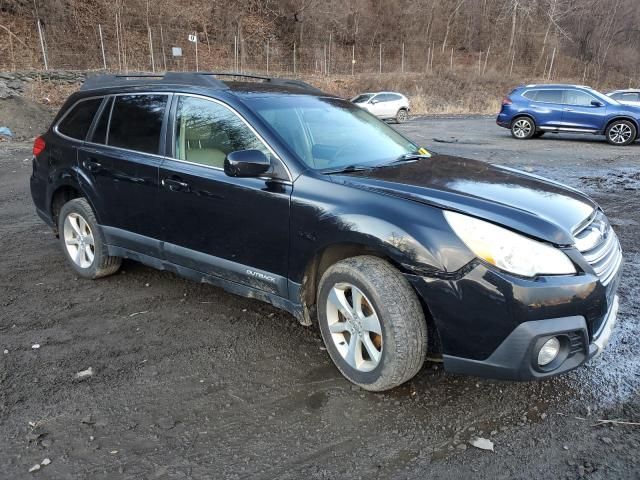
point(627, 97)
point(385, 105)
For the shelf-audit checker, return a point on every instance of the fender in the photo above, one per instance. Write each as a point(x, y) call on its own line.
point(414, 236)
point(86, 185)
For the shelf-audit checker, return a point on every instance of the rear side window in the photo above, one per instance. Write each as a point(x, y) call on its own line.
point(77, 121)
point(549, 96)
point(136, 122)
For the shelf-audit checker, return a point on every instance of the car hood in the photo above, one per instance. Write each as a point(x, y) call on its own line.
point(517, 200)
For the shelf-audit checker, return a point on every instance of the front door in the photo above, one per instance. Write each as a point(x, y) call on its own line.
point(233, 228)
point(580, 113)
point(121, 162)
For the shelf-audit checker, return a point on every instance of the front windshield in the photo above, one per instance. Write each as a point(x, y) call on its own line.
point(330, 133)
point(362, 98)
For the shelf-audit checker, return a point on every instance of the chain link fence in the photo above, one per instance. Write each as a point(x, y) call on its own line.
point(130, 47)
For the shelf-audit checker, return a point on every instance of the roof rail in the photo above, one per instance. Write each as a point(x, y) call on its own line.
point(169, 78)
point(202, 79)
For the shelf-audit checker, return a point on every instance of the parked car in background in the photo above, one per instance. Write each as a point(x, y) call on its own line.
point(628, 96)
point(530, 111)
point(385, 105)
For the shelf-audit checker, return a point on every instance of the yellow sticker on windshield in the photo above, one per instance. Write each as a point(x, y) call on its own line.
point(423, 151)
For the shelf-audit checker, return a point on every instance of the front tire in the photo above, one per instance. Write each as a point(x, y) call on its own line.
point(83, 242)
point(621, 133)
point(523, 128)
point(371, 322)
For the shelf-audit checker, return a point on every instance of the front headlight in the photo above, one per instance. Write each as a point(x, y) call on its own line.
point(508, 250)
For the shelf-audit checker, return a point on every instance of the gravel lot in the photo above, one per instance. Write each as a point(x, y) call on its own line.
point(191, 382)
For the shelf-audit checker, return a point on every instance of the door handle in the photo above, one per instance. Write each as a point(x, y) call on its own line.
point(175, 185)
point(568, 109)
point(92, 164)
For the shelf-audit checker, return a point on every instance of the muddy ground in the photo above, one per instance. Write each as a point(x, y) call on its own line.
point(191, 382)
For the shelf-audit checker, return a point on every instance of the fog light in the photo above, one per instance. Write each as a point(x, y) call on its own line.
point(549, 351)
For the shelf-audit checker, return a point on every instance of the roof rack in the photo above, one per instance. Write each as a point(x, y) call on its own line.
point(201, 79)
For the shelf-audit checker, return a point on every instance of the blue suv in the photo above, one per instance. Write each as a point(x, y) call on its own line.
point(532, 110)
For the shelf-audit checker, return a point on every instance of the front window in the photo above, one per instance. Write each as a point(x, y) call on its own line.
point(207, 131)
point(578, 98)
point(362, 98)
point(330, 133)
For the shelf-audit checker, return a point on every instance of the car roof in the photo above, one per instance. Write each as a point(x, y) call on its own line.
point(230, 82)
point(625, 90)
point(378, 93)
point(555, 85)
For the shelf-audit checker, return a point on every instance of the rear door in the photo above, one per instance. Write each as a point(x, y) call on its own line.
point(120, 164)
point(233, 228)
point(580, 114)
point(546, 107)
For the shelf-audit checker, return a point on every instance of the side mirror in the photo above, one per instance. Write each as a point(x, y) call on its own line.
point(596, 103)
point(246, 163)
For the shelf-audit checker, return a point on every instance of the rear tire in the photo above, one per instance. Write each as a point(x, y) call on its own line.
point(83, 242)
point(371, 322)
point(402, 115)
point(621, 133)
point(523, 128)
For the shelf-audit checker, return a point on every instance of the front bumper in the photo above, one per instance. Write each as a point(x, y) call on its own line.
point(492, 324)
point(516, 357)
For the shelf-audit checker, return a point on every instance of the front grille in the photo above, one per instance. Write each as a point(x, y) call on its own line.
point(599, 245)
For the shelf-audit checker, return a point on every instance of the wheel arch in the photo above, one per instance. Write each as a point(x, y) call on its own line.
point(63, 193)
point(623, 117)
point(333, 253)
point(523, 115)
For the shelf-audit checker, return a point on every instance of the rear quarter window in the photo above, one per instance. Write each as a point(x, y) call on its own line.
point(77, 121)
point(531, 94)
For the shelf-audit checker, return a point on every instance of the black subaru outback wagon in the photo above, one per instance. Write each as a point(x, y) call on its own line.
point(274, 190)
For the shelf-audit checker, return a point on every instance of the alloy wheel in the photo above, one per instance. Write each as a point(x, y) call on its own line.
point(355, 328)
point(620, 133)
point(522, 128)
point(79, 240)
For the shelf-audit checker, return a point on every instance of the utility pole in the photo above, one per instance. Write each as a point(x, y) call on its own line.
point(104, 59)
point(44, 52)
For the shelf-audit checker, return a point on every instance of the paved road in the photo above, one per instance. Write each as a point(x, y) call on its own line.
point(192, 382)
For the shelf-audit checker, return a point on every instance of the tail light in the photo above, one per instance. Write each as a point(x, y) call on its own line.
point(38, 146)
point(506, 100)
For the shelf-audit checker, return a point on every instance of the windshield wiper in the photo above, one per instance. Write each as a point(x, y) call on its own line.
point(407, 157)
point(348, 169)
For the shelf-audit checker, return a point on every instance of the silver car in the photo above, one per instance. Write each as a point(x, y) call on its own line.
point(629, 96)
point(385, 105)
